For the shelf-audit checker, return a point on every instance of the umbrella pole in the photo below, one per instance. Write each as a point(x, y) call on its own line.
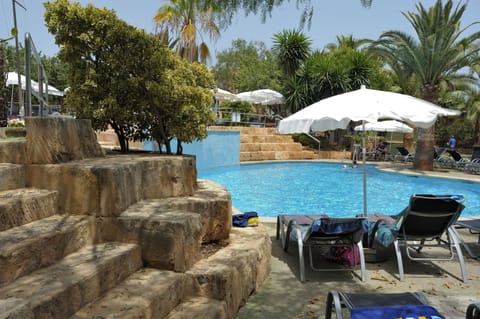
point(364, 155)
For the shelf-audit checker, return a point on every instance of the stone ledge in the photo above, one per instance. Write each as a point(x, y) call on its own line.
point(12, 151)
point(62, 289)
point(42, 243)
point(60, 139)
point(107, 186)
point(24, 205)
point(147, 293)
point(236, 271)
point(169, 240)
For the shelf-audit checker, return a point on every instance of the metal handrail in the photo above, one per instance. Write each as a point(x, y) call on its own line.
point(42, 78)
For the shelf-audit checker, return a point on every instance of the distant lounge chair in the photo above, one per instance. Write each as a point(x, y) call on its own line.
point(320, 230)
point(428, 218)
point(459, 161)
point(473, 225)
point(438, 153)
point(404, 154)
point(379, 305)
point(473, 167)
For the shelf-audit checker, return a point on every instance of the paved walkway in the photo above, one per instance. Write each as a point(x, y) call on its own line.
point(284, 296)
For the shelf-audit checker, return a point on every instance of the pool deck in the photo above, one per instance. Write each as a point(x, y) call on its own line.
point(284, 296)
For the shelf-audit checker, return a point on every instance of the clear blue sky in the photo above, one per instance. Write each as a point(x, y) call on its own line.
point(331, 18)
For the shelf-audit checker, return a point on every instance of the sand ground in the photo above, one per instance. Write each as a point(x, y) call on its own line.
point(284, 296)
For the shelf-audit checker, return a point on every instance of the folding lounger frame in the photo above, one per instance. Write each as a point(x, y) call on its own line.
point(324, 240)
point(473, 225)
point(410, 234)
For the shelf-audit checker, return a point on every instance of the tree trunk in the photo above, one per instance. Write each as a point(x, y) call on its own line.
point(476, 132)
point(424, 150)
point(122, 140)
point(179, 147)
point(409, 141)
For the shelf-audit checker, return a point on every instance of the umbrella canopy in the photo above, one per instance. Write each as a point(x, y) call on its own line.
point(12, 79)
point(363, 105)
point(224, 95)
point(264, 96)
point(385, 126)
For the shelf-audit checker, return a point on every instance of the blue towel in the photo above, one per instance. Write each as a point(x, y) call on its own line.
point(241, 220)
point(335, 226)
point(396, 312)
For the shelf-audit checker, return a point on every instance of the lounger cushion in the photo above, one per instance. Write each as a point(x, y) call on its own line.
point(395, 312)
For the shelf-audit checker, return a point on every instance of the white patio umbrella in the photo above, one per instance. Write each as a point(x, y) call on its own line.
point(390, 126)
point(224, 95)
point(263, 96)
point(385, 126)
point(364, 105)
point(12, 79)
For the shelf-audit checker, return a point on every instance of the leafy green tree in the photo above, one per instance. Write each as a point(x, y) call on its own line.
point(179, 101)
point(119, 76)
point(246, 67)
point(184, 22)
point(292, 48)
point(347, 42)
point(325, 74)
point(101, 53)
point(434, 60)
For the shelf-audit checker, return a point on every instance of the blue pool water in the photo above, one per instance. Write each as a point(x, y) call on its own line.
point(311, 188)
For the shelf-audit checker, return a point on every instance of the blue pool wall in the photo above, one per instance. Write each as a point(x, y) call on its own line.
point(220, 148)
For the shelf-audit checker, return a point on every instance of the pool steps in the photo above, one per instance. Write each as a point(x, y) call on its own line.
point(121, 236)
point(261, 144)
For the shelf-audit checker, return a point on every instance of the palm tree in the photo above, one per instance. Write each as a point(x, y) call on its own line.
point(434, 59)
point(292, 48)
point(346, 42)
point(182, 23)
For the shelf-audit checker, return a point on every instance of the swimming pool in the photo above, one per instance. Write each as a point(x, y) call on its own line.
point(311, 188)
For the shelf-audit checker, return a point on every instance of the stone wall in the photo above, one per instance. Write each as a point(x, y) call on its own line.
point(59, 140)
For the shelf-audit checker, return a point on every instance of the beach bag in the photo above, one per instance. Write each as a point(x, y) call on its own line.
point(345, 254)
point(246, 219)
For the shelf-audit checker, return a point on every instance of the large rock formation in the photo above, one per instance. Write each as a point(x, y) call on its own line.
point(85, 235)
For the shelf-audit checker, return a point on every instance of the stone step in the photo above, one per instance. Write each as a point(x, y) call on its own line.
point(274, 155)
point(24, 205)
point(11, 176)
point(211, 202)
point(42, 243)
point(246, 130)
point(147, 293)
point(199, 307)
point(257, 131)
point(170, 239)
point(267, 147)
point(180, 223)
point(62, 289)
point(234, 272)
point(107, 186)
point(12, 151)
point(266, 139)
